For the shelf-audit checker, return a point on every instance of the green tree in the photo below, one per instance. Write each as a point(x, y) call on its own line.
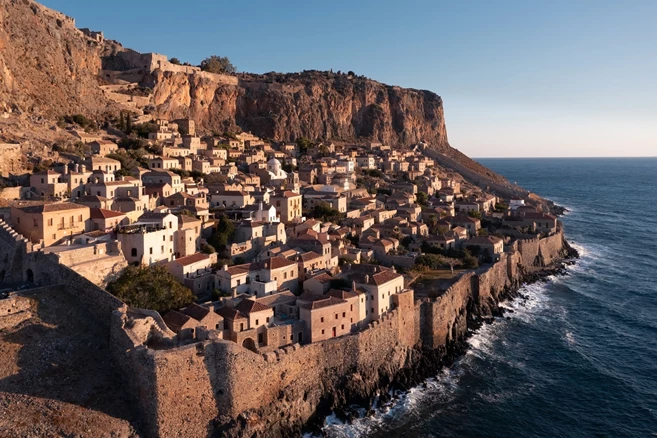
point(474, 214)
point(151, 287)
point(470, 261)
point(175, 61)
point(422, 198)
point(128, 124)
point(325, 212)
point(223, 233)
point(218, 64)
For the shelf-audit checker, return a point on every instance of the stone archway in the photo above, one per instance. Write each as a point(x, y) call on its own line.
point(29, 275)
point(249, 344)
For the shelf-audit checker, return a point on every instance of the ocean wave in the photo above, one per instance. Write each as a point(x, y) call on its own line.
point(407, 405)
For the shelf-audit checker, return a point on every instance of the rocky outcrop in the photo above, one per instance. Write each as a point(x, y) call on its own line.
point(47, 66)
point(316, 105)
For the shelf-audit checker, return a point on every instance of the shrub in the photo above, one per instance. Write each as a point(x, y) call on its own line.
point(151, 287)
point(217, 64)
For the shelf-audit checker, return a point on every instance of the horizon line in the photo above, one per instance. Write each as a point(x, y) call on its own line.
point(562, 157)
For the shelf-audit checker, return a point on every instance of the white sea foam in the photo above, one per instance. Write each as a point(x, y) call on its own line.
point(444, 386)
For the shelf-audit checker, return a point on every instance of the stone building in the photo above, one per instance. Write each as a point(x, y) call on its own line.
point(51, 223)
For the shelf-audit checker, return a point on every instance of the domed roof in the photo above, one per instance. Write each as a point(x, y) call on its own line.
point(273, 162)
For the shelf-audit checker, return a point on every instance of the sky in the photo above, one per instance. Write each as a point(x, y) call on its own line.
point(554, 78)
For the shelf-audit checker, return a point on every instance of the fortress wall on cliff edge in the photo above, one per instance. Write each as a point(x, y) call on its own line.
point(541, 252)
point(13, 247)
point(222, 379)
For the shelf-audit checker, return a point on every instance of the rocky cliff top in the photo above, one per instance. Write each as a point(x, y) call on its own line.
point(48, 69)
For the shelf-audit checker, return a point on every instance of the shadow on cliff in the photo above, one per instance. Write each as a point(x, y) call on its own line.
point(64, 355)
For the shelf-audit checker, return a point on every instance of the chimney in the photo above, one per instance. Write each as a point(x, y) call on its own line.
point(225, 267)
point(367, 279)
point(353, 286)
point(83, 168)
point(77, 167)
point(65, 172)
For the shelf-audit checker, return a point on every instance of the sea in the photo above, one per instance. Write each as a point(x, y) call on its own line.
point(577, 357)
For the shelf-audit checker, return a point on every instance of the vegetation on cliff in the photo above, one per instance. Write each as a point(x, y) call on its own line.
point(151, 288)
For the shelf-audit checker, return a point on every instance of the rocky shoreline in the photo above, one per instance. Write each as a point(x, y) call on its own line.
point(425, 363)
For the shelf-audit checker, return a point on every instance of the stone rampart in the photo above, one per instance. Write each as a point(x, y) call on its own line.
point(222, 385)
point(541, 252)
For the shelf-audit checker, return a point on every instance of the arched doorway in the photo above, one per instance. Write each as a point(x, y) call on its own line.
point(249, 344)
point(30, 276)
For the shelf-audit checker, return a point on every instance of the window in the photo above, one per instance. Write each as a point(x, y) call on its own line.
point(238, 282)
point(351, 308)
point(336, 316)
point(257, 322)
point(372, 309)
point(267, 319)
point(322, 331)
point(241, 326)
point(36, 222)
point(162, 252)
point(150, 250)
point(344, 314)
point(164, 238)
point(133, 253)
point(321, 319)
point(342, 326)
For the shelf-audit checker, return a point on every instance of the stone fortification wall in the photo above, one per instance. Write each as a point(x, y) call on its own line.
point(541, 252)
point(231, 390)
point(12, 159)
point(13, 248)
point(47, 271)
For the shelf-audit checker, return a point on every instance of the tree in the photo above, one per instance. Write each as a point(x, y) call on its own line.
point(474, 214)
point(128, 124)
point(152, 287)
point(422, 198)
point(223, 233)
point(325, 212)
point(175, 61)
point(470, 261)
point(451, 262)
point(218, 64)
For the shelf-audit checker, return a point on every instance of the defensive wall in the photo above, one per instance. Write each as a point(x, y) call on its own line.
point(22, 261)
point(219, 387)
point(230, 390)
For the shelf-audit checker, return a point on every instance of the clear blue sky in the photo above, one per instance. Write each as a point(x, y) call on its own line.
point(518, 78)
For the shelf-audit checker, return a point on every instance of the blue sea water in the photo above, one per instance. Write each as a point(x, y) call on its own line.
point(578, 357)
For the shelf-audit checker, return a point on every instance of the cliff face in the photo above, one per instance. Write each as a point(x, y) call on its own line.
point(316, 105)
point(47, 67)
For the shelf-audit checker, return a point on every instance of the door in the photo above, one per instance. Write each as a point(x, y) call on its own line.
point(334, 332)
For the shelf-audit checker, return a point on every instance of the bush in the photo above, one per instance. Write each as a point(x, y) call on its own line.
point(223, 233)
point(218, 64)
point(175, 61)
point(151, 288)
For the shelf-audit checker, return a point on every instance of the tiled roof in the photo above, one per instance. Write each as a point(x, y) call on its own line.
point(194, 258)
point(384, 277)
point(230, 313)
point(195, 311)
point(250, 306)
point(47, 208)
point(175, 320)
point(101, 213)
